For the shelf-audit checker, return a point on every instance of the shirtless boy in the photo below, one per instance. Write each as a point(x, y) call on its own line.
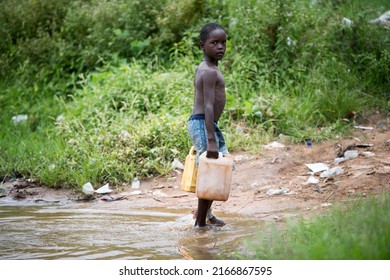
point(209, 103)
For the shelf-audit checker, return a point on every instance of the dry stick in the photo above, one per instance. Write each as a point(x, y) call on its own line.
point(332, 193)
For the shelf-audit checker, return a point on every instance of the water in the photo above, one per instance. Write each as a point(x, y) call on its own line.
point(83, 231)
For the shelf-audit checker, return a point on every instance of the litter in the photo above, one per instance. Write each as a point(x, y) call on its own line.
point(177, 164)
point(277, 191)
point(274, 145)
point(348, 154)
point(88, 189)
point(103, 189)
point(312, 180)
point(19, 118)
point(351, 154)
point(332, 172)
point(363, 127)
point(317, 167)
point(135, 184)
point(368, 154)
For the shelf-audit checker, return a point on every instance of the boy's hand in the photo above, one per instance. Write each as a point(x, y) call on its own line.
point(212, 154)
point(212, 149)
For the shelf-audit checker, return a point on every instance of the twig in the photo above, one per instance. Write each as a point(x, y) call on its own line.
point(332, 193)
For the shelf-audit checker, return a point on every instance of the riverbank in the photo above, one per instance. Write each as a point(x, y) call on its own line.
point(273, 184)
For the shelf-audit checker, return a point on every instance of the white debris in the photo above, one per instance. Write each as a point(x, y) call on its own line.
point(88, 189)
point(277, 191)
point(349, 154)
point(312, 180)
point(317, 167)
point(363, 127)
point(274, 145)
point(326, 204)
point(368, 154)
point(19, 118)
point(347, 22)
point(383, 19)
point(177, 164)
point(332, 172)
point(135, 184)
point(103, 189)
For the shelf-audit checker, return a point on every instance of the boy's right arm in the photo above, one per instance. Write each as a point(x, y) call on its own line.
point(209, 79)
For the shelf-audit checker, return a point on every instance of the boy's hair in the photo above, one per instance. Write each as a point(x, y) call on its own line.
point(207, 29)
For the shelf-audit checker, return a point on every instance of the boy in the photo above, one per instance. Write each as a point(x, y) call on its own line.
point(209, 103)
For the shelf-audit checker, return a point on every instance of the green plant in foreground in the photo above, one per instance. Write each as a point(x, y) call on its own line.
point(358, 231)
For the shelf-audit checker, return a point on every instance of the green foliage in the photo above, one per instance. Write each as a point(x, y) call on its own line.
point(360, 231)
point(121, 75)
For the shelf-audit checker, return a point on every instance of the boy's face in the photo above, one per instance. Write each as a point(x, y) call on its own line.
point(215, 45)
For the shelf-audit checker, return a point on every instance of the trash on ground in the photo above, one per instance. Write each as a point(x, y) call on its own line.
point(88, 189)
point(368, 154)
point(109, 198)
point(277, 191)
point(177, 164)
point(104, 189)
point(317, 167)
point(312, 180)
point(383, 19)
point(351, 154)
point(19, 118)
point(348, 154)
point(332, 172)
point(346, 21)
point(326, 204)
point(274, 145)
point(135, 184)
point(363, 127)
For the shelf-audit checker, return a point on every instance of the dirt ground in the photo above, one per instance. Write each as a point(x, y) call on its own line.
point(277, 167)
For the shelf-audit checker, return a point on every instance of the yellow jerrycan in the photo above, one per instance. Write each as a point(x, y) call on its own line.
point(188, 181)
point(214, 177)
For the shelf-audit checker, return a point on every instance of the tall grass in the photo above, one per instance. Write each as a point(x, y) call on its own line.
point(360, 231)
point(121, 76)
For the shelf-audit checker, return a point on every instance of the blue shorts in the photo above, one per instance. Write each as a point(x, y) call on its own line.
point(198, 134)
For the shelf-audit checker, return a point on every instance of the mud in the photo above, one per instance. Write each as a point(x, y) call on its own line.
point(274, 167)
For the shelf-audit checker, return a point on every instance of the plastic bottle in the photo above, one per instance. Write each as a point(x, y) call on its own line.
point(135, 184)
point(214, 177)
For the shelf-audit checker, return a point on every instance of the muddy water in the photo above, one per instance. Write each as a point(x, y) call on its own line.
point(82, 231)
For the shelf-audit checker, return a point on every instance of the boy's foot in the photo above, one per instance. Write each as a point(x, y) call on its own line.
point(215, 221)
point(212, 220)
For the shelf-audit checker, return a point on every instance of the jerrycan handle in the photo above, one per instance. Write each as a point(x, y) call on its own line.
point(192, 151)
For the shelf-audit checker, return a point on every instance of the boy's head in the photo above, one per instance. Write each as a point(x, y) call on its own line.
point(207, 29)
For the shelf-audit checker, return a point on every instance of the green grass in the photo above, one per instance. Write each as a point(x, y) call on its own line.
point(106, 87)
point(360, 231)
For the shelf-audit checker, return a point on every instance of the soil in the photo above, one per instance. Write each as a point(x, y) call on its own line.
point(277, 166)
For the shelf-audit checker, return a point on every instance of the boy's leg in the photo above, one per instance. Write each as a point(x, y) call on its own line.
point(201, 213)
point(212, 219)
